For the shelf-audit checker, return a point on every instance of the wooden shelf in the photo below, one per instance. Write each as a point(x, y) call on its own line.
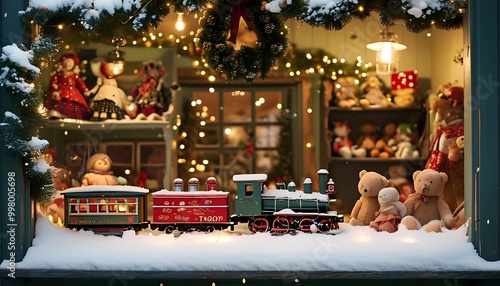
point(72, 124)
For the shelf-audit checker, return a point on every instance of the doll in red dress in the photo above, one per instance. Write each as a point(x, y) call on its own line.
point(66, 90)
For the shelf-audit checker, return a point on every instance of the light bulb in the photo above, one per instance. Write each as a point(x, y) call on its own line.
point(180, 25)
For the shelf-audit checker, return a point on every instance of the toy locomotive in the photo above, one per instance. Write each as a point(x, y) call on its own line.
point(112, 209)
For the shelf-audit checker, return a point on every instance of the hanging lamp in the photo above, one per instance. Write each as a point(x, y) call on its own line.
point(387, 48)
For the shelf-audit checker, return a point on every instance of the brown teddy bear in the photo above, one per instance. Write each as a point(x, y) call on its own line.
point(424, 207)
point(368, 137)
point(404, 97)
point(369, 186)
point(345, 89)
point(373, 96)
point(382, 146)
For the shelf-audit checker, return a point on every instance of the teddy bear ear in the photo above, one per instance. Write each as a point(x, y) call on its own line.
point(444, 177)
point(362, 173)
point(415, 174)
point(384, 180)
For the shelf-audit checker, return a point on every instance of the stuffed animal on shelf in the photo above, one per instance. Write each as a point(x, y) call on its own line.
point(382, 146)
point(403, 146)
point(369, 186)
point(391, 211)
point(404, 97)
point(342, 146)
point(449, 112)
point(398, 180)
point(345, 90)
point(65, 98)
point(368, 137)
point(109, 101)
point(99, 172)
point(151, 98)
point(372, 94)
point(424, 207)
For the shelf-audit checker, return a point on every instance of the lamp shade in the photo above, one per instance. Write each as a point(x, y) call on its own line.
point(387, 49)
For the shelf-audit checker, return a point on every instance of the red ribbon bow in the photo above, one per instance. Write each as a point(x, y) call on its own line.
point(239, 11)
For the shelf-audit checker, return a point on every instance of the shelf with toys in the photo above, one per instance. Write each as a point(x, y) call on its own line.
point(375, 128)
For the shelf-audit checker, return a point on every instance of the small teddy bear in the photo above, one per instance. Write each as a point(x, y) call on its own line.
point(345, 92)
point(368, 136)
point(382, 148)
point(99, 172)
point(424, 207)
point(373, 96)
point(391, 211)
point(369, 186)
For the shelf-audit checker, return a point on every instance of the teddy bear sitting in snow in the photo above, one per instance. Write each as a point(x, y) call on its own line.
point(424, 207)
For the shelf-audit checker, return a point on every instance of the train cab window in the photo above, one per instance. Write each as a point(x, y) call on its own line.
point(249, 190)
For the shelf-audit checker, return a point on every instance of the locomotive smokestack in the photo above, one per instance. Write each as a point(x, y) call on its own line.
point(322, 174)
point(307, 186)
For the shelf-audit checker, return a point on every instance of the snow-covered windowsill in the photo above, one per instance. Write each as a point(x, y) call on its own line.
point(355, 252)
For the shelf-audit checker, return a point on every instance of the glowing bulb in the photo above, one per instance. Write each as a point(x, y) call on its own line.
point(180, 25)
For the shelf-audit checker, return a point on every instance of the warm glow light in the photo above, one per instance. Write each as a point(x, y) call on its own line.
point(179, 24)
point(279, 105)
point(182, 146)
point(408, 239)
point(211, 78)
point(228, 131)
point(309, 110)
point(184, 134)
point(127, 172)
point(201, 134)
point(205, 162)
point(211, 90)
point(387, 48)
point(308, 145)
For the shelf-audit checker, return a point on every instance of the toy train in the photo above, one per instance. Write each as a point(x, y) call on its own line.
point(112, 209)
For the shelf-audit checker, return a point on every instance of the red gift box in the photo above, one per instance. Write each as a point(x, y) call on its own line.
point(404, 79)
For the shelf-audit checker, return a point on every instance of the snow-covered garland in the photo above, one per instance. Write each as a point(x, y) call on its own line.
point(18, 73)
point(247, 62)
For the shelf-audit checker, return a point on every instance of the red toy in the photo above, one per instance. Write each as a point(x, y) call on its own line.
point(65, 94)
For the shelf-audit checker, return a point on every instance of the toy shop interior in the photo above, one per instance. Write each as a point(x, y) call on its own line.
point(209, 115)
point(153, 105)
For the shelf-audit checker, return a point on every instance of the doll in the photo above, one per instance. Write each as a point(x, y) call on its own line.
point(151, 98)
point(99, 172)
point(66, 91)
point(391, 211)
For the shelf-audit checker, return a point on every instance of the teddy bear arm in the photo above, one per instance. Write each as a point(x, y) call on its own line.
point(410, 205)
point(356, 208)
point(401, 208)
point(445, 213)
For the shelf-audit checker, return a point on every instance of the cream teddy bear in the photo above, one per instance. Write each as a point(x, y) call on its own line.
point(369, 186)
point(425, 209)
point(391, 211)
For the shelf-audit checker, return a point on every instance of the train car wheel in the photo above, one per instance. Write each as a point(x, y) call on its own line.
point(305, 224)
point(258, 225)
point(281, 225)
point(169, 229)
point(325, 225)
point(209, 229)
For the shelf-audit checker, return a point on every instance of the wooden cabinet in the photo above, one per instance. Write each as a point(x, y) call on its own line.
point(345, 171)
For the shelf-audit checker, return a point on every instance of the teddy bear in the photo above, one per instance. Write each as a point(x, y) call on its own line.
point(391, 211)
point(382, 148)
point(404, 97)
point(368, 136)
point(342, 146)
point(449, 114)
point(345, 92)
point(99, 172)
point(425, 210)
point(373, 96)
point(369, 186)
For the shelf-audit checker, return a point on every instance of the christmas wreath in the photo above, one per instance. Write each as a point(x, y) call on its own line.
point(247, 62)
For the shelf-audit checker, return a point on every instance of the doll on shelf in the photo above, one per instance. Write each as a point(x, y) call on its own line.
point(151, 98)
point(99, 172)
point(65, 98)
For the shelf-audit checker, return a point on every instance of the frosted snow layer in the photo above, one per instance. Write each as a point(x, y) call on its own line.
point(353, 249)
point(105, 188)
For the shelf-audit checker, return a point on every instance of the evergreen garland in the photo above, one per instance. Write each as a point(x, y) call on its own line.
point(247, 62)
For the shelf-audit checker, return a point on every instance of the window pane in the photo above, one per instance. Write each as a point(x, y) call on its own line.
point(237, 106)
point(152, 153)
point(268, 105)
point(208, 105)
point(237, 136)
point(120, 153)
point(267, 136)
point(207, 136)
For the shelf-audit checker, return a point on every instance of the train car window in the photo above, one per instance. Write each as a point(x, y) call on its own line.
point(248, 190)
